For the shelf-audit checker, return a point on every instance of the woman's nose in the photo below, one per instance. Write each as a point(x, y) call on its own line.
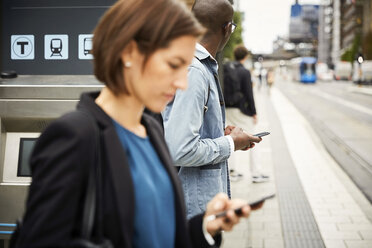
point(181, 82)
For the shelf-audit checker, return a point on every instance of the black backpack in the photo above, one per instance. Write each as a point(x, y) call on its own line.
point(232, 90)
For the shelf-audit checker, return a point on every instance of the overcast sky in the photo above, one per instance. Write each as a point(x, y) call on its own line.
point(265, 20)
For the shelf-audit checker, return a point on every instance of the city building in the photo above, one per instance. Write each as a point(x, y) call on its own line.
point(325, 32)
point(303, 28)
point(367, 30)
point(351, 28)
point(336, 34)
point(283, 49)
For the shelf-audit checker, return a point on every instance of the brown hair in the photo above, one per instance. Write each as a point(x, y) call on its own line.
point(240, 52)
point(153, 24)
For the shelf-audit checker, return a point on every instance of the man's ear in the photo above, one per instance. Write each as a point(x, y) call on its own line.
point(130, 52)
point(225, 30)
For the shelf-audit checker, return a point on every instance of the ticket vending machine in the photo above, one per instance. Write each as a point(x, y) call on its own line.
point(47, 44)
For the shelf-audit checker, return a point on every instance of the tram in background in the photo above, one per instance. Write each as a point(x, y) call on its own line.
point(303, 69)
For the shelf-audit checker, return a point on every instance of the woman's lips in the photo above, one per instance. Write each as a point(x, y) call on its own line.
point(169, 96)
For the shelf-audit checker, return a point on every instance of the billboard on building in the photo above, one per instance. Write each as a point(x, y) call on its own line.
point(303, 25)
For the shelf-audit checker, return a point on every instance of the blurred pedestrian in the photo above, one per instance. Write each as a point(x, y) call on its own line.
point(241, 111)
point(260, 72)
point(141, 53)
point(194, 121)
point(270, 77)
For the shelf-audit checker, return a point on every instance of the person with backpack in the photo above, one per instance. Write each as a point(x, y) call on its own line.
point(240, 107)
point(194, 122)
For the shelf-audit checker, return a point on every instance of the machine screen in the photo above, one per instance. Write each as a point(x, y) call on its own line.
point(25, 149)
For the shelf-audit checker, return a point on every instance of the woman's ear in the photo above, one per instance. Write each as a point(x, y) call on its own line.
point(130, 52)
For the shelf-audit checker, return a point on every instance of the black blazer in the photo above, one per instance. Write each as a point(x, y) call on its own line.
point(60, 162)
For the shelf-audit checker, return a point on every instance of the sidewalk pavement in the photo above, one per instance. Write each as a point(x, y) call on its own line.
point(362, 89)
point(341, 213)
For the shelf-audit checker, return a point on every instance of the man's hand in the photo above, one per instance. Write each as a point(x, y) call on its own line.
point(254, 119)
point(242, 140)
point(228, 129)
point(220, 203)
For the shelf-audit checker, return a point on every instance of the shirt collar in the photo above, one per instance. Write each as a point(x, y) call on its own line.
point(202, 53)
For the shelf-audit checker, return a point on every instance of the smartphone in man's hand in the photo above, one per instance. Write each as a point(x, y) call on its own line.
point(261, 134)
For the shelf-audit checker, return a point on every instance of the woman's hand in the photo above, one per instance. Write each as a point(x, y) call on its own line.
point(220, 203)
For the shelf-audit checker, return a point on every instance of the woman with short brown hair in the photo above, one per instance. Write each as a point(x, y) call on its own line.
point(141, 50)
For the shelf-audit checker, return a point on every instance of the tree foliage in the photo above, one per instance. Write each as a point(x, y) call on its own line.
point(350, 54)
point(367, 46)
point(236, 37)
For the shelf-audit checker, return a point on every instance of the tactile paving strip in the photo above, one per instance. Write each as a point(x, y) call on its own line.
point(298, 224)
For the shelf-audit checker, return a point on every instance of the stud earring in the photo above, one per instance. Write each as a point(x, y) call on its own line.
point(127, 64)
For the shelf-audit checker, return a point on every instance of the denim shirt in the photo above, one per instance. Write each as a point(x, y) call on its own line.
point(196, 138)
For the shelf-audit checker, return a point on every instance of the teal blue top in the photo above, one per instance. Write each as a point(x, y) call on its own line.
point(154, 220)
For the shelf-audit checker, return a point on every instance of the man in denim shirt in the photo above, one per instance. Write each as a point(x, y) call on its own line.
point(194, 121)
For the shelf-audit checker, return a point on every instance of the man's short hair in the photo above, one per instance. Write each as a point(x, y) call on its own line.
point(212, 14)
point(240, 52)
